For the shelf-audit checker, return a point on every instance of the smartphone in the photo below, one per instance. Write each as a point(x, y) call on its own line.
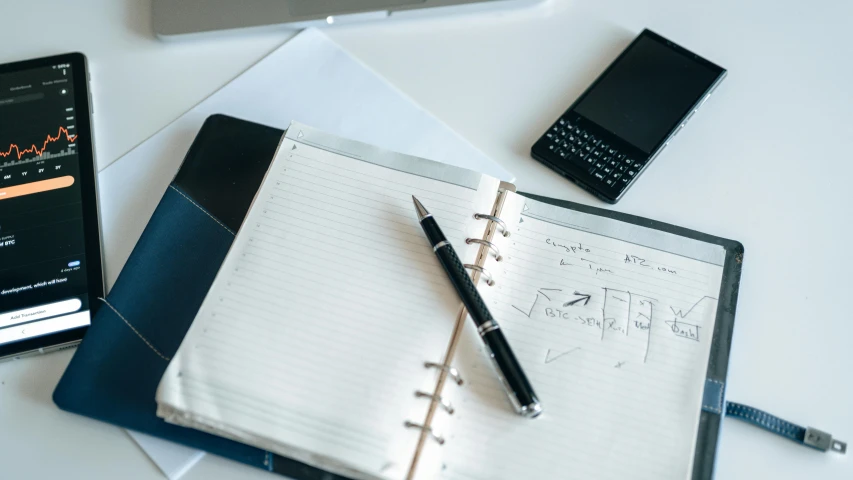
point(613, 131)
point(50, 239)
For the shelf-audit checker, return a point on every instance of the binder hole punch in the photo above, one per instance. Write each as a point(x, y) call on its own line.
point(451, 372)
point(437, 438)
point(492, 247)
point(481, 216)
point(444, 403)
point(489, 281)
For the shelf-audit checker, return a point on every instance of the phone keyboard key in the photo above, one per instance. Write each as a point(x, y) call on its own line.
point(609, 166)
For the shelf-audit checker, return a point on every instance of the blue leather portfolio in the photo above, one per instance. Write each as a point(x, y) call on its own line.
point(115, 373)
point(116, 369)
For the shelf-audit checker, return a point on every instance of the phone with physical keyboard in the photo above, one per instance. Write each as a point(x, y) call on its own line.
point(613, 131)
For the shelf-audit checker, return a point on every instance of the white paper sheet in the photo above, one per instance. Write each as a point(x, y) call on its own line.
point(172, 459)
point(309, 78)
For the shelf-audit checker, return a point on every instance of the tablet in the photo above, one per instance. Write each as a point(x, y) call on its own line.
point(50, 242)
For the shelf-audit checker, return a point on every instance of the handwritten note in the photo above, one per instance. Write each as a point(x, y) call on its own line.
point(613, 324)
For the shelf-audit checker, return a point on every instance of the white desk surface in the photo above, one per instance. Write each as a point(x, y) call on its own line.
point(766, 161)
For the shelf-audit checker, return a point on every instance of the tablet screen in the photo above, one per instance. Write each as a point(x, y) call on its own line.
point(43, 265)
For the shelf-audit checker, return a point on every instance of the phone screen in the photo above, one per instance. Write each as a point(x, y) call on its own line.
point(43, 263)
point(647, 92)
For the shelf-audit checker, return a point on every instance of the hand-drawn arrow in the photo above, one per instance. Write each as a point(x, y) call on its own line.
point(583, 298)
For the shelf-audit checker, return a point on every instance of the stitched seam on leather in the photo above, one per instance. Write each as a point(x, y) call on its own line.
point(769, 422)
point(202, 209)
point(135, 330)
point(720, 401)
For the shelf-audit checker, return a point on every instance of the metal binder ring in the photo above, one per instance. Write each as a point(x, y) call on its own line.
point(492, 247)
point(444, 403)
point(452, 372)
point(495, 219)
point(438, 438)
point(483, 271)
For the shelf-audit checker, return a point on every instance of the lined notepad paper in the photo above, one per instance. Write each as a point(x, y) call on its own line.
point(312, 340)
point(313, 337)
point(613, 325)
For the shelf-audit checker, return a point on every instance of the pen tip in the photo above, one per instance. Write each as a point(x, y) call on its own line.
point(422, 212)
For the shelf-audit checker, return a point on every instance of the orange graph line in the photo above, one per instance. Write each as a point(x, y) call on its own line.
point(36, 150)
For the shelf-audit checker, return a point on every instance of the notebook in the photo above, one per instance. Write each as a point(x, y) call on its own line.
point(329, 334)
point(115, 371)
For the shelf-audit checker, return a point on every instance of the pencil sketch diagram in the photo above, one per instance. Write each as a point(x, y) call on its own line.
point(624, 312)
point(614, 313)
point(551, 355)
point(684, 329)
point(542, 292)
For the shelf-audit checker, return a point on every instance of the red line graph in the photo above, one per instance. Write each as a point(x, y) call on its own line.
point(34, 149)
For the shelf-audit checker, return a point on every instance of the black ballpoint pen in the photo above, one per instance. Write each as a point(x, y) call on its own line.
point(514, 380)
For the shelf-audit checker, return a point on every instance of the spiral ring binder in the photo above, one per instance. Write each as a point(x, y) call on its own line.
point(451, 371)
point(489, 281)
point(446, 371)
point(437, 438)
point(438, 398)
point(492, 247)
point(481, 216)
